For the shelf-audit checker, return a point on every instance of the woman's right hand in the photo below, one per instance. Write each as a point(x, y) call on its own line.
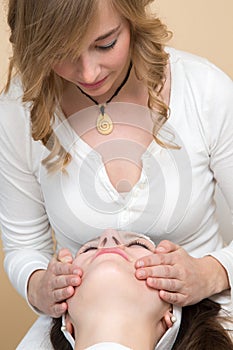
point(49, 289)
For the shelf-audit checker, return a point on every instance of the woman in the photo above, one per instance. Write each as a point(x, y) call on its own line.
point(87, 144)
point(108, 265)
point(106, 313)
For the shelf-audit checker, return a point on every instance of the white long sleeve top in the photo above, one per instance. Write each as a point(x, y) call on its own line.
point(173, 199)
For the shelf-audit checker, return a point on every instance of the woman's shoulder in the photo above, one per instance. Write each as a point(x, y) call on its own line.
point(14, 93)
point(14, 114)
point(205, 79)
point(193, 65)
point(11, 101)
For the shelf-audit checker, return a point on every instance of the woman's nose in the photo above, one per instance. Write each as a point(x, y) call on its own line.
point(88, 68)
point(110, 238)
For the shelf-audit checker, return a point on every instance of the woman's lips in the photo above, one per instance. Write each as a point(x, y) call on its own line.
point(93, 86)
point(111, 251)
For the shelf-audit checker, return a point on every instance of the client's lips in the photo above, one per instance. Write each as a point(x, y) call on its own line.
point(111, 251)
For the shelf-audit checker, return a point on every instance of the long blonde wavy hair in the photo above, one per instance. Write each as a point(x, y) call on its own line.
point(44, 32)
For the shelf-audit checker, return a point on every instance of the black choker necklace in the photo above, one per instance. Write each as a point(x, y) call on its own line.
point(104, 123)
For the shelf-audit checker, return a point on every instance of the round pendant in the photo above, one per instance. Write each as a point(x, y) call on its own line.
point(104, 124)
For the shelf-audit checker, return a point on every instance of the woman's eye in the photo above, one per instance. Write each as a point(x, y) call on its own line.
point(87, 249)
point(136, 243)
point(108, 46)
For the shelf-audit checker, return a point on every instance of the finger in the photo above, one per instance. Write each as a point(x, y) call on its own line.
point(171, 285)
point(64, 255)
point(59, 295)
point(65, 281)
point(166, 246)
point(59, 309)
point(154, 260)
point(173, 298)
point(160, 271)
point(64, 269)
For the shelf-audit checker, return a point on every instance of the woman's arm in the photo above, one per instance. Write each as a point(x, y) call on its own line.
point(181, 278)
point(26, 232)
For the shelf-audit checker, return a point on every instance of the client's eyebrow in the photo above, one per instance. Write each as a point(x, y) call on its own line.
point(106, 35)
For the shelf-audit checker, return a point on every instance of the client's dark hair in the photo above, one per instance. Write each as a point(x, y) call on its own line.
point(57, 338)
point(200, 329)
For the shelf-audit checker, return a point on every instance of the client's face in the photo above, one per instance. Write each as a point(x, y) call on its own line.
point(110, 259)
point(109, 283)
point(121, 246)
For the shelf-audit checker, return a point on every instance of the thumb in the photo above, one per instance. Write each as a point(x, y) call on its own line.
point(166, 247)
point(64, 255)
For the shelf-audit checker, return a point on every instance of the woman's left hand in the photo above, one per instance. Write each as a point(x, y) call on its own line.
point(180, 278)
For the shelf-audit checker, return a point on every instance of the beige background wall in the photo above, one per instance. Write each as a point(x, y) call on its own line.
point(202, 27)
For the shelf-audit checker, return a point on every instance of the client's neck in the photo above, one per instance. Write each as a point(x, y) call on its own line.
point(111, 305)
point(128, 328)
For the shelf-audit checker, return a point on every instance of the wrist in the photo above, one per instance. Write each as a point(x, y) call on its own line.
point(215, 275)
point(34, 283)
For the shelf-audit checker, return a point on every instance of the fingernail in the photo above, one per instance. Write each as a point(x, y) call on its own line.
point(76, 272)
point(140, 263)
point(161, 249)
point(66, 259)
point(141, 273)
point(74, 280)
point(151, 282)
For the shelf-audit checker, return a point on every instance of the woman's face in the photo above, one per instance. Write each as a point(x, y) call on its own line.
point(128, 246)
point(111, 259)
point(111, 297)
point(105, 57)
point(108, 265)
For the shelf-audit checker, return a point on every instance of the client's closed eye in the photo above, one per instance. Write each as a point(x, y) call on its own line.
point(138, 243)
point(86, 249)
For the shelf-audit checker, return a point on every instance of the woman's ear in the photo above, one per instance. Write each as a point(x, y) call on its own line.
point(67, 330)
point(69, 325)
point(169, 319)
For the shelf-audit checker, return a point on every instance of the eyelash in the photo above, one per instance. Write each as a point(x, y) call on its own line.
point(143, 245)
point(108, 47)
point(138, 243)
point(87, 249)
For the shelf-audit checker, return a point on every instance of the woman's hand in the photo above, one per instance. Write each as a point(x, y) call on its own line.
point(49, 289)
point(180, 278)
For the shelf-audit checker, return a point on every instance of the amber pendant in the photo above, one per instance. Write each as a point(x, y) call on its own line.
point(104, 123)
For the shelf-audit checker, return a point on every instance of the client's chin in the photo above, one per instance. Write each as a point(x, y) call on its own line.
point(109, 298)
point(109, 275)
point(109, 284)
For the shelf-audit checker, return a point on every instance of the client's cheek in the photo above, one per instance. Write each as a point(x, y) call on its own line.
point(81, 261)
point(140, 254)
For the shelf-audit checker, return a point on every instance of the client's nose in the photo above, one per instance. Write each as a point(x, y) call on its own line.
point(110, 238)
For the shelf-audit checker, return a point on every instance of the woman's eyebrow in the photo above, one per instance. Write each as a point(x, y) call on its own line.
point(106, 35)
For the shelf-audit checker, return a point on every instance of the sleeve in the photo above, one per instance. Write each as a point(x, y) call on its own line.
point(219, 116)
point(25, 229)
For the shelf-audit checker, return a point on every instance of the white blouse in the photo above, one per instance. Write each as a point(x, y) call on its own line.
point(173, 199)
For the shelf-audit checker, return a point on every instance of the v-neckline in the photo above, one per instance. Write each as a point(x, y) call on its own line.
point(153, 147)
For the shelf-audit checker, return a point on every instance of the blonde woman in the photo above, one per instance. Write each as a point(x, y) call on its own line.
point(102, 125)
